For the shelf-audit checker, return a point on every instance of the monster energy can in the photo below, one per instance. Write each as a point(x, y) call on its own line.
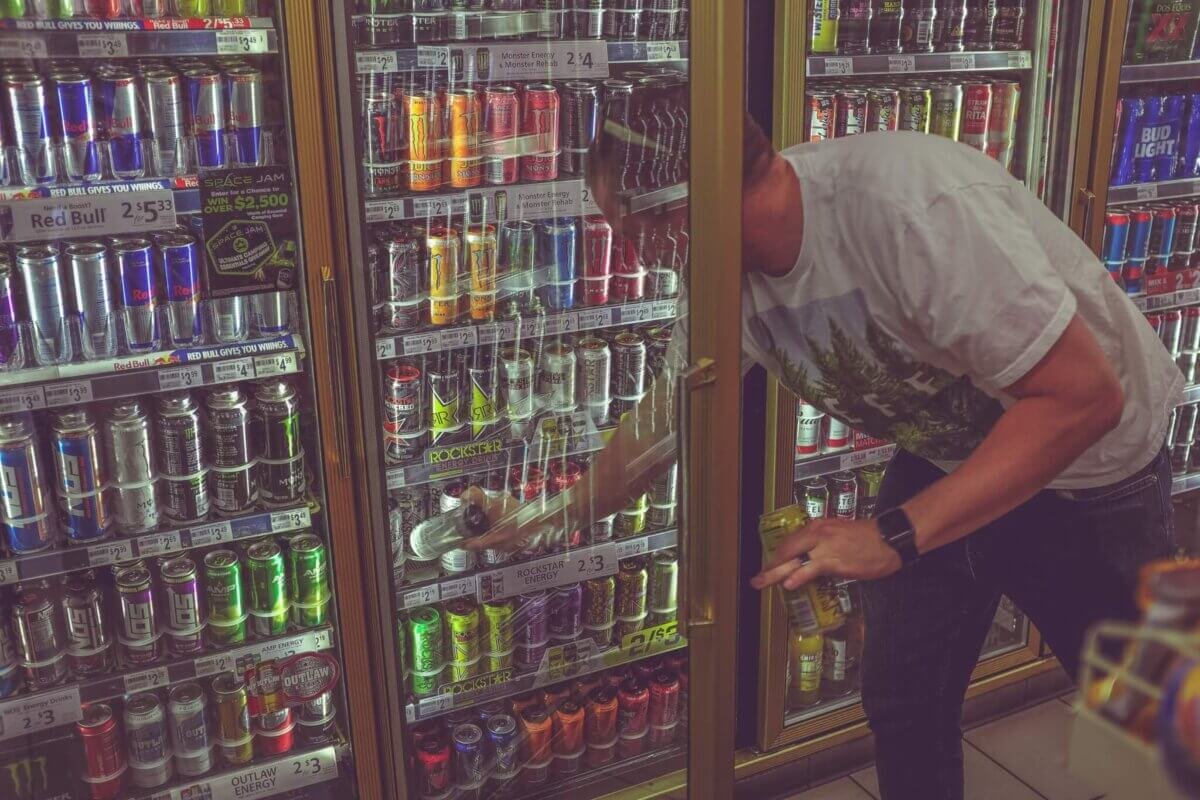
point(182, 458)
point(269, 606)
point(308, 562)
point(223, 590)
point(281, 479)
point(230, 452)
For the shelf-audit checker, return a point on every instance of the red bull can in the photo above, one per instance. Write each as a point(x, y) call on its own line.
point(244, 89)
point(166, 121)
point(77, 127)
point(29, 115)
point(121, 123)
point(139, 292)
point(179, 255)
point(206, 112)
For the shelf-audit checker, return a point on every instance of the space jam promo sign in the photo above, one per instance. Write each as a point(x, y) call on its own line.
point(279, 683)
point(249, 230)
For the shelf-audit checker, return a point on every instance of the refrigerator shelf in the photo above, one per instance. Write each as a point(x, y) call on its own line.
point(162, 371)
point(824, 66)
point(260, 779)
point(821, 709)
point(446, 462)
point(116, 551)
point(1162, 190)
point(24, 714)
point(575, 321)
point(841, 461)
point(128, 38)
point(582, 58)
point(1160, 302)
point(1182, 484)
point(554, 570)
point(528, 201)
point(1171, 70)
point(506, 683)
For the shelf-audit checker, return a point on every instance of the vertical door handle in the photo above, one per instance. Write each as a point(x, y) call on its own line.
point(1089, 199)
point(333, 350)
point(699, 611)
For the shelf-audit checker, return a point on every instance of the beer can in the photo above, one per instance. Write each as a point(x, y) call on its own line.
point(916, 103)
point(80, 476)
point(223, 594)
point(851, 113)
point(138, 634)
point(89, 644)
point(945, 117)
point(150, 762)
point(1172, 331)
point(231, 702)
point(308, 571)
point(1002, 120)
point(822, 111)
point(976, 110)
point(844, 488)
point(883, 109)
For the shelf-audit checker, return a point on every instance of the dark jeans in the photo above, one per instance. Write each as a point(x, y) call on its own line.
point(1066, 560)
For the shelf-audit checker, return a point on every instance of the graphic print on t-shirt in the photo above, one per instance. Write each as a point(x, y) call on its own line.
point(834, 356)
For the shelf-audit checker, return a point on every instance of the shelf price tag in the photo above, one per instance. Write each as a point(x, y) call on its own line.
point(102, 45)
point(212, 533)
point(902, 63)
point(839, 66)
point(385, 210)
point(440, 205)
point(636, 313)
point(293, 519)
point(49, 218)
point(8, 572)
point(963, 62)
point(180, 378)
point(395, 478)
point(662, 51)
point(628, 548)
point(113, 552)
point(1146, 191)
point(146, 679)
point(385, 349)
point(1019, 60)
point(69, 394)
point(420, 597)
point(158, 543)
point(237, 369)
point(211, 665)
point(462, 587)
point(241, 42)
point(23, 716)
point(549, 573)
point(456, 338)
point(649, 641)
point(593, 318)
point(369, 61)
point(278, 364)
point(25, 398)
point(23, 46)
point(433, 57)
point(267, 779)
point(419, 343)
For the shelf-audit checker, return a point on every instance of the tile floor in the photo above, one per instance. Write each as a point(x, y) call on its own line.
point(1019, 757)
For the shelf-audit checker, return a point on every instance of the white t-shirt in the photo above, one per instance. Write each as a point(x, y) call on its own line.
point(928, 281)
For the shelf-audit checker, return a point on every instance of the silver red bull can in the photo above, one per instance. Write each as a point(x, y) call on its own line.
point(166, 121)
point(120, 119)
point(244, 89)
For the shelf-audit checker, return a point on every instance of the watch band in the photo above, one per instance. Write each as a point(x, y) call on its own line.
point(897, 530)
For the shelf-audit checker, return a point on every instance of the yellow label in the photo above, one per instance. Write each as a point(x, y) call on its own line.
point(824, 26)
point(815, 606)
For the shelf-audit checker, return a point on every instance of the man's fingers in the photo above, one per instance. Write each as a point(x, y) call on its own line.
point(776, 574)
point(806, 574)
point(794, 546)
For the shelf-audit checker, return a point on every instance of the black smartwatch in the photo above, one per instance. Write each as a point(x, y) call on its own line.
point(897, 530)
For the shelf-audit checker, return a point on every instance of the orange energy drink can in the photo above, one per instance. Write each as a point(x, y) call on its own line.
point(442, 246)
point(464, 123)
point(601, 716)
point(465, 173)
point(568, 728)
point(481, 261)
point(524, 701)
point(423, 111)
point(584, 686)
point(539, 733)
point(554, 696)
point(813, 607)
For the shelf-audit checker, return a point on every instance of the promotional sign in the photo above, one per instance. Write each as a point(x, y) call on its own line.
point(249, 230)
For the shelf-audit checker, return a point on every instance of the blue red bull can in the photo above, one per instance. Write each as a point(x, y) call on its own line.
point(1140, 220)
point(1130, 110)
point(28, 525)
point(122, 123)
point(1131, 276)
point(77, 127)
point(139, 292)
point(180, 257)
point(79, 472)
point(206, 114)
point(29, 117)
point(1116, 235)
point(1156, 156)
point(244, 89)
point(555, 250)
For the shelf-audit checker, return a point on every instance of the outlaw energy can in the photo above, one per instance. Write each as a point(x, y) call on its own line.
point(191, 739)
point(150, 762)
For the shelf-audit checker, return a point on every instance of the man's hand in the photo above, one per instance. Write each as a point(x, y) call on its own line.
point(851, 549)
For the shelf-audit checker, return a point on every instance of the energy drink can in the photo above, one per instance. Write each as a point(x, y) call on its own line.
point(426, 645)
point(482, 258)
point(812, 608)
point(131, 468)
point(516, 384)
point(556, 255)
point(191, 738)
point(247, 116)
point(485, 396)
point(77, 127)
point(138, 635)
point(184, 610)
point(45, 293)
point(150, 762)
point(103, 751)
point(28, 525)
point(281, 476)
point(308, 571)
point(89, 643)
point(518, 261)
point(269, 605)
point(80, 479)
point(41, 640)
point(29, 114)
point(442, 245)
point(166, 121)
point(140, 300)
point(229, 440)
point(234, 736)
point(92, 291)
point(9, 327)
point(445, 400)
point(186, 496)
point(181, 266)
point(556, 378)
point(121, 123)
point(206, 116)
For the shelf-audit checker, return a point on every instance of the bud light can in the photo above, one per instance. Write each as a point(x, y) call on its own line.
point(1130, 111)
point(556, 251)
point(77, 127)
point(244, 89)
point(1158, 139)
point(206, 103)
point(1162, 233)
point(180, 257)
point(122, 124)
point(29, 114)
point(139, 292)
point(28, 525)
point(165, 118)
point(95, 302)
point(79, 476)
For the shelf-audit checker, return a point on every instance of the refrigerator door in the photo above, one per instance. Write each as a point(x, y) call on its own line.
point(518, 308)
point(169, 581)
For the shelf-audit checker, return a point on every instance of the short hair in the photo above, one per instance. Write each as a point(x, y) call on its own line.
point(757, 152)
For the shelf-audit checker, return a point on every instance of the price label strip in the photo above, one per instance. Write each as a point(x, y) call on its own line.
point(839, 66)
point(212, 533)
point(241, 42)
point(901, 63)
point(146, 680)
point(158, 543)
point(461, 587)
point(113, 552)
point(545, 61)
point(373, 61)
point(68, 394)
point(549, 573)
point(23, 46)
point(238, 369)
point(385, 349)
point(293, 519)
point(281, 364)
point(26, 398)
point(267, 779)
point(27, 715)
point(426, 595)
point(8, 573)
point(102, 45)
point(180, 378)
point(43, 219)
point(1146, 191)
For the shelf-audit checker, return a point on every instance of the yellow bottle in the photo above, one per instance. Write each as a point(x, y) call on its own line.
point(813, 607)
point(808, 656)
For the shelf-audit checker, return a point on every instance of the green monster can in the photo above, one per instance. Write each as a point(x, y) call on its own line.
point(62, 9)
point(12, 9)
point(426, 640)
point(223, 591)
point(232, 8)
point(269, 606)
point(194, 9)
point(309, 566)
